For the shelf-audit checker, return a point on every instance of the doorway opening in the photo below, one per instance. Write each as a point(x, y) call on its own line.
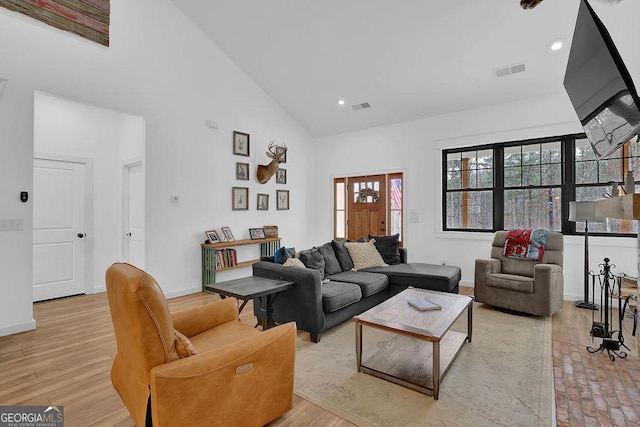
point(371, 204)
point(78, 198)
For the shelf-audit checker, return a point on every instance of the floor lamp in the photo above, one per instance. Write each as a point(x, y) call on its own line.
point(585, 211)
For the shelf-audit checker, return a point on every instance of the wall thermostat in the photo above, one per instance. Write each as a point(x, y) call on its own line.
point(24, 196)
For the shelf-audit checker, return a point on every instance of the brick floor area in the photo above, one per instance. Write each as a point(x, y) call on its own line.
point(591, 390)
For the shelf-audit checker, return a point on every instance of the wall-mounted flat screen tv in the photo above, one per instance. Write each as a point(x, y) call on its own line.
point(600, 86)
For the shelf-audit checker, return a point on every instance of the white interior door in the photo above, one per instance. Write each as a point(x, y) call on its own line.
point(133, 215)
point(58, 229)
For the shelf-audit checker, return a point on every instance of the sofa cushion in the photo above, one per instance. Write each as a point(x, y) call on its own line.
point(294, 262)
point(388, 246)
point(434, 277)
point(336, 295)
point(370, 283)
point(313, 258)
point(331, 264)
point(364, 255)
point(510, 282)
point(283, 254)
point(342, 254)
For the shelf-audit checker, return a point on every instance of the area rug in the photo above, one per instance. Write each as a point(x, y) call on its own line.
point(503, 377)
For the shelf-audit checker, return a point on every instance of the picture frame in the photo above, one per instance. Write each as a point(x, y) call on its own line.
point(228, 235)
point(281, 176)
point(240, 198)
point(280, 149)
point(212, 236)
point(256, 233)
point(270, 231)
point(282, 200)
point(263, 202)
point(240, 143)
point(242, 171)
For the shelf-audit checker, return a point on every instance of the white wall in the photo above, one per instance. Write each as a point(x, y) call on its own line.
point(106, 138)
point(160, 68)
point(415, 148)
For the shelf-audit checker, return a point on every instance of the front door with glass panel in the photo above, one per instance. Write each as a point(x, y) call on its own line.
point(367, 206)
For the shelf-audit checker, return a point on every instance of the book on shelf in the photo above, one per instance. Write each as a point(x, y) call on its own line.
point(423, 304)
point(225, 258)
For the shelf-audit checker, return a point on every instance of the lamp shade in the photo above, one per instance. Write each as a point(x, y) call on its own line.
point(583, 211)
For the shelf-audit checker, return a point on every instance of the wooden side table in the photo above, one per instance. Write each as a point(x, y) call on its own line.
point(248, 288)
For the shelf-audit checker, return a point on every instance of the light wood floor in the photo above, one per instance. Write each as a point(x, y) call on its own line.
point(67, 361)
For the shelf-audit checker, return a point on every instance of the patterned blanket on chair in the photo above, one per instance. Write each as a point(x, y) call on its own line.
point(525, 243)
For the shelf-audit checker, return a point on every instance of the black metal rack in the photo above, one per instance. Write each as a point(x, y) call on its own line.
point(612, 340)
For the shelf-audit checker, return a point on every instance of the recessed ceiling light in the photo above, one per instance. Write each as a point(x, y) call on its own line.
point(340, 101)
point(556, 45)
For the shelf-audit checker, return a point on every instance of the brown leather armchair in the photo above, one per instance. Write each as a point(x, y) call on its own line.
point(535, 287)
point(198, 366)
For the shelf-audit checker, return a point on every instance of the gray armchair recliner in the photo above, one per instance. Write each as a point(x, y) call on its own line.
point(535, 287)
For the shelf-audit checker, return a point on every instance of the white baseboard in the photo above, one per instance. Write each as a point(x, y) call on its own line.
point(20, 327)
point(183, 292)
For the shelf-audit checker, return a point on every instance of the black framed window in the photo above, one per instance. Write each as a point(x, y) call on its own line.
point(528, 184)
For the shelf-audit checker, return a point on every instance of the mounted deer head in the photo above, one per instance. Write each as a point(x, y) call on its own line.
point(276, 153)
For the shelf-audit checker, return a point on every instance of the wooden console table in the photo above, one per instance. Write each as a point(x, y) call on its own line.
point(267, 248)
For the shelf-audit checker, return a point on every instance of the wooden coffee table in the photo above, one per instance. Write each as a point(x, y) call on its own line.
point(396, 315)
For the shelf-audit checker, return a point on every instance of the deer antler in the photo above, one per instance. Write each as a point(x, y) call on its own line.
point(529, 4)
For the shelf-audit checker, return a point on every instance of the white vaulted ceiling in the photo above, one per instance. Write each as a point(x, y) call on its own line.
point(408, 58)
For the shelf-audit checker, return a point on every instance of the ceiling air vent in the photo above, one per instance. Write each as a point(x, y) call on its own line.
point(511, 69)
point(362, 106)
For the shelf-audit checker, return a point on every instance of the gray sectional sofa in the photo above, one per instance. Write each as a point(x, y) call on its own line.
point(328, 294)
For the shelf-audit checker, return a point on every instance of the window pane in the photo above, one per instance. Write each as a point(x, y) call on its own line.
point(584, 150)
point(485, 159)
point(396, 194)
point(454, 180)
point(587, 172)
point(610, 170)
point(513, 177)
point(396, 222)
point(340, 199)
point(531, 154)
point(470, 210)
point(512, 156)
point(552, 174)
point(453, 162)
point(551, 152)
point(469, 160)
point(531, 175)
point(532, 208)
point(340, 222)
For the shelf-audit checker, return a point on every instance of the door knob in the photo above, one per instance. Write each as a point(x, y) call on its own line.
point(129, 234)
point(80, 235)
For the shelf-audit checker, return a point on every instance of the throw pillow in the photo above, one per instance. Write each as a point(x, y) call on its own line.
point(365, 255)
point(184, 346)
point(283, 254)
point(293, 262)
point(388, 246)
point(331, 264)
point(342, 255)
point(313, 258)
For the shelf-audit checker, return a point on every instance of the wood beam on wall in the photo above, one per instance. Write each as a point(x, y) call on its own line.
point(87, 18)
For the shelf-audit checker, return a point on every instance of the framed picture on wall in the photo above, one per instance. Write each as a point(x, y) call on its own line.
point(240, 198)
point(242, 171)
point(281, 176)
point(240, 143)
point(282, 200)
point(263, 202)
